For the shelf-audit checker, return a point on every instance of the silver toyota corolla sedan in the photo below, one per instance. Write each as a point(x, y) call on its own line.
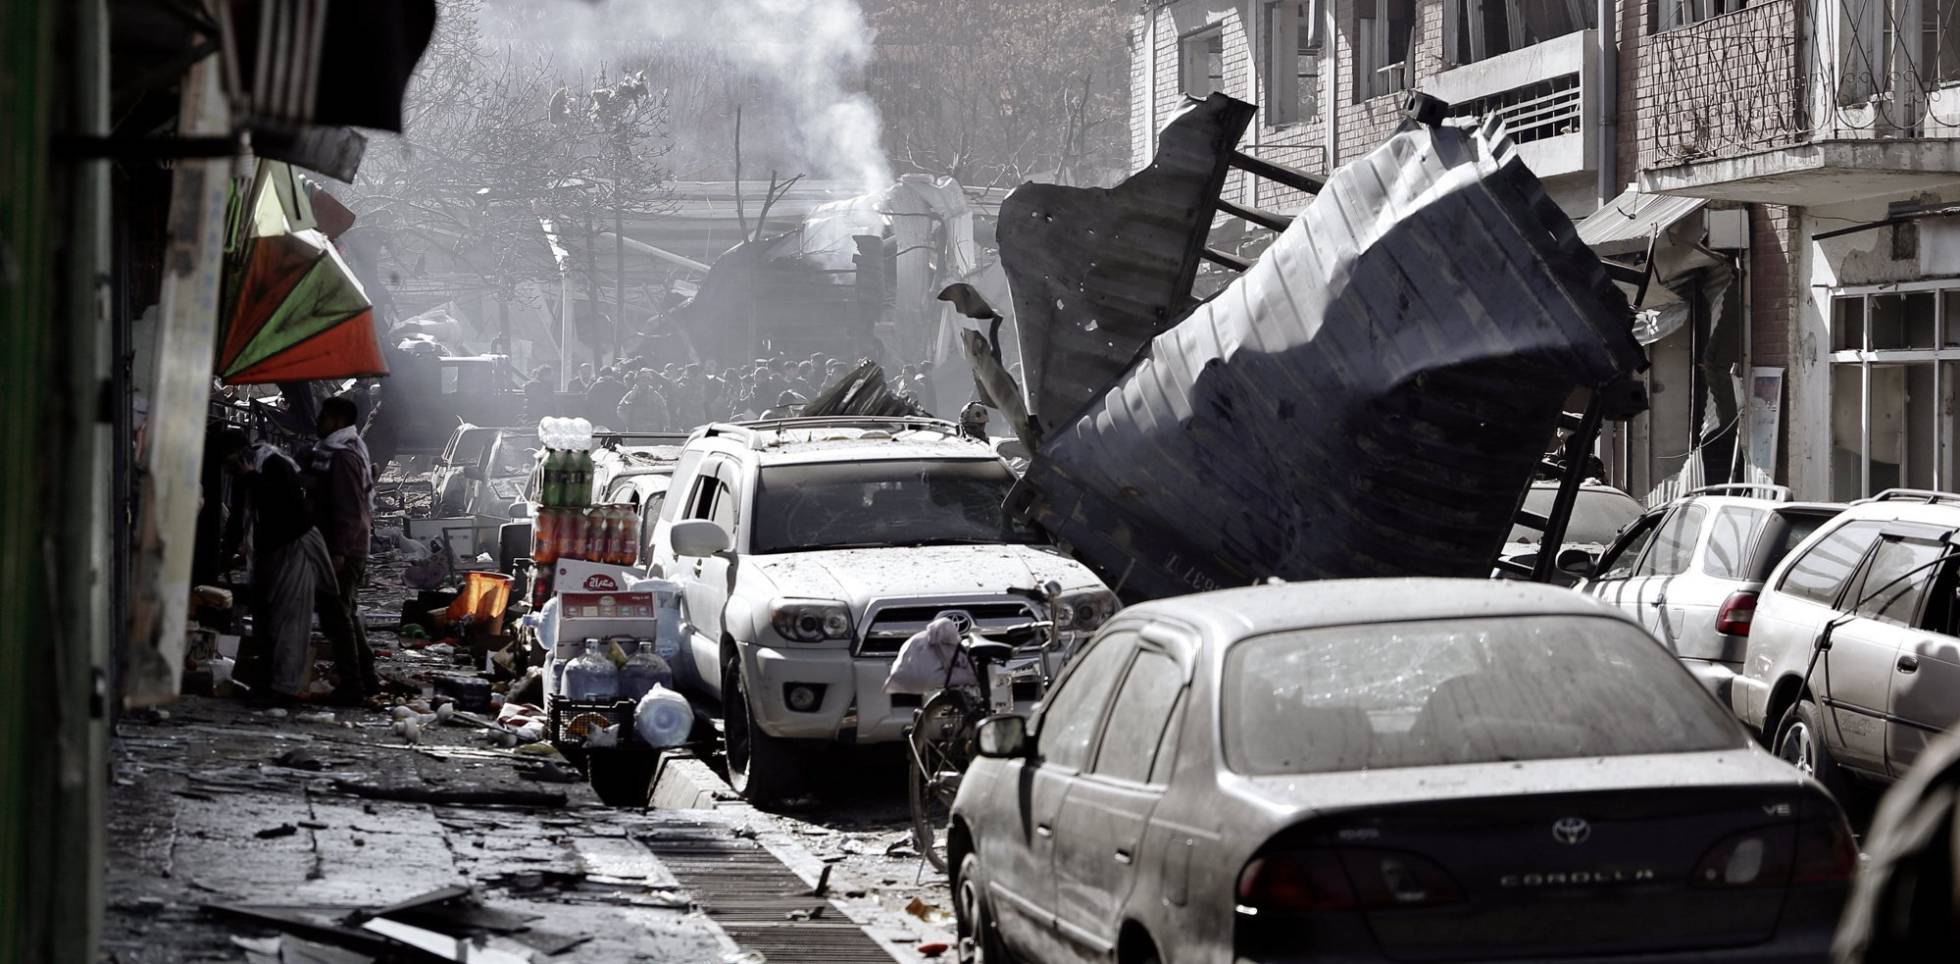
point(1387, 770)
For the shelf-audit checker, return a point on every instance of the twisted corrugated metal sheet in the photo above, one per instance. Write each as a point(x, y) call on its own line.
point(1369, 399)
point(1097, 272)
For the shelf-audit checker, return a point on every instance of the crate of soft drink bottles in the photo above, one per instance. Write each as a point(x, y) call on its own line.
point(566, 525)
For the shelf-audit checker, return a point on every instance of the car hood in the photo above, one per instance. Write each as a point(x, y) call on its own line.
point(1741, 767)
point(859, 575)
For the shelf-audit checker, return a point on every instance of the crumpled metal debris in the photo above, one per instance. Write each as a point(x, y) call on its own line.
point(1370, 398)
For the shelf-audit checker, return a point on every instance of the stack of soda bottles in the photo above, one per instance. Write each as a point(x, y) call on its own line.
point(568, 525)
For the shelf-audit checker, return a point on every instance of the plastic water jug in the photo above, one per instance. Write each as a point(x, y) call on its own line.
point(642, 672)
point(663, 718)
point(669, 637)
point(591, 676)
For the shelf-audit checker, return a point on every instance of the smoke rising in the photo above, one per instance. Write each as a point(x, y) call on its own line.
point(805, 54)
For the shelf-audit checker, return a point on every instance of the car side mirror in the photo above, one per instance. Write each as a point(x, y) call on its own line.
point(698, 538)
point(1004, 737)
point(1576, 562)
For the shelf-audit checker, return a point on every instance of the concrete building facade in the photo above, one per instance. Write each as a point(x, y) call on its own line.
point(1736, 139)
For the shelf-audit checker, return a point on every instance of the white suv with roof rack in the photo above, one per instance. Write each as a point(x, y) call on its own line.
point(1853, 663)
point(811, 549)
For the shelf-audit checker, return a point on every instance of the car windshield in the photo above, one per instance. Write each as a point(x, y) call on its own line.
point(1442, 692)
point(837, 505)
point(1597, 515)
point(517, 452)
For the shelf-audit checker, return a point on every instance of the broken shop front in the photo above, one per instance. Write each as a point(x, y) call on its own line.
point(1692, 319)
point(1878, 355)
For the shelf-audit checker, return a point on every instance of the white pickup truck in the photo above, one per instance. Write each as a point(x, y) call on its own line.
point(810, 549)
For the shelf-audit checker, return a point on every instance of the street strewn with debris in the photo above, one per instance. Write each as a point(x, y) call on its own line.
point(238, 831)
point(1019, 482)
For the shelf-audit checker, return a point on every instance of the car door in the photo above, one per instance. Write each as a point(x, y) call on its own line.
point(1099, 835)
point(1925, 696)
point(1793, 614)
point(1672, 554)
point(687, 472)
point(1017, 853)
point(706, 578)
point(1882, 615)
point(1695, 597)
point(1618, 562)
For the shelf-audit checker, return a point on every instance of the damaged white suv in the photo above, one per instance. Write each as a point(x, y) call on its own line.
point(810, 549)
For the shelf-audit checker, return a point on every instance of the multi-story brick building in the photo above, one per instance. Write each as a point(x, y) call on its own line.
point(1738, 137)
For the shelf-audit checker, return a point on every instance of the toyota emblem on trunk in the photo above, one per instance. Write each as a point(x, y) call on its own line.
point(1571, 830)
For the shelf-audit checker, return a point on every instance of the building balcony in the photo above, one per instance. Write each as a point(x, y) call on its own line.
point(1545, 93)
point(1771, 104)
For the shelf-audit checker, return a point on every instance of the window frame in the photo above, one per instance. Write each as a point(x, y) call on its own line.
point(1667, 15)
point(1146, 648)
point(1374, 44)
point(1756, 517)
point(1790, 562)
point(1466, 37)
point(1855, 601)
point(1648, 524)
point(1128, 635)
point(1864, 358)
point(1700, 511)
point(1291, 98)
point(1193, 46)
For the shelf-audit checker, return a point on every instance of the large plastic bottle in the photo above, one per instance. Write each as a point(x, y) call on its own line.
point(663, 718)
point(591, 676)
point(545, 536)
point(642, 671)
point(622, 535)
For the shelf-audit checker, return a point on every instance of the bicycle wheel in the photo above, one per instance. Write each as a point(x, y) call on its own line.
point(939, 753)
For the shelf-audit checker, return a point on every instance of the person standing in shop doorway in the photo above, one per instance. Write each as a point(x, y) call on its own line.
point(342, 483)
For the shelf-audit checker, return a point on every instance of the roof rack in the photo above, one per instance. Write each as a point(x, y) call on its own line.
point(1776, 493)
point(749, 430)
point(1927, 496)
point(613, 440)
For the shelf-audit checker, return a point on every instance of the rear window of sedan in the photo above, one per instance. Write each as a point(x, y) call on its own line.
point(1442, 692)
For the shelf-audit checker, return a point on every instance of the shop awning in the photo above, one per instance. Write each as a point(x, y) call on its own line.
point(295, 312)
point(1623, 225)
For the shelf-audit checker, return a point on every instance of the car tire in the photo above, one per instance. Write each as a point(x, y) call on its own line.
point(764, 769)
point(979, 940)
point(1799, 742)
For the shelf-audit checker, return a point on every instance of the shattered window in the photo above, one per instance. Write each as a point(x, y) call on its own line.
point(863, 505)
point(1435, 693)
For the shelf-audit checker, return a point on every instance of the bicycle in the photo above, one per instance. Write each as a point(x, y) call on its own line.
point(941, 737)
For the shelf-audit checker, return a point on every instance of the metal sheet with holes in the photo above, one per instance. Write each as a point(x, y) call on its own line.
point(1370, 399)
point(1097, 272)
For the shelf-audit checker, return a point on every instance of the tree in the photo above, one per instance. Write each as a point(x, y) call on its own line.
point(497, 139)
point(998, 93)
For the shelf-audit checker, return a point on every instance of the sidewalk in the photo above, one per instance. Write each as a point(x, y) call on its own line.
point(217, 813)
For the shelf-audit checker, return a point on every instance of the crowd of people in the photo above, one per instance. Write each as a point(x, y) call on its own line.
point(633, 396)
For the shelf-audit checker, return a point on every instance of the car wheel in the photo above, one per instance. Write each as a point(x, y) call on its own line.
point(1800, 743)
point(764, 769)
point(979, 940)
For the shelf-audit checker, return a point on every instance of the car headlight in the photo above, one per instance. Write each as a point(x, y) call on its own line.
point(1084, 610)
point(810, 621)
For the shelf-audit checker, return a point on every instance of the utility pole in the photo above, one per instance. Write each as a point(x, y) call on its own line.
point(619, 276)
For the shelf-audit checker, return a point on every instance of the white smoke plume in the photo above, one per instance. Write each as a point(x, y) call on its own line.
point(810, 51)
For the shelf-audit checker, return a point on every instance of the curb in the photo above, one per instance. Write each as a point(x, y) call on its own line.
point(682, 782)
